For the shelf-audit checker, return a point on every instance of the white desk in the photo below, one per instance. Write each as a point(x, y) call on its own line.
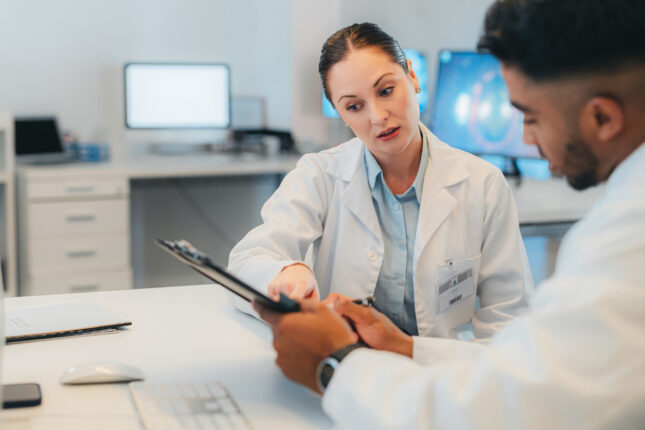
point(178, 334)
point(551, 200)
point(106, 236)
point(172, 166)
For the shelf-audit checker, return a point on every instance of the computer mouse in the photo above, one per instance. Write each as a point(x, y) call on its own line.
point(100, 372)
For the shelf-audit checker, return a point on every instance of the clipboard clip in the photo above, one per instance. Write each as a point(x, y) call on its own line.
point(185, 249)
point(188, 254)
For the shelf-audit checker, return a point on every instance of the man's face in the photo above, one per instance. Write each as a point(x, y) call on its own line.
point(551, 125)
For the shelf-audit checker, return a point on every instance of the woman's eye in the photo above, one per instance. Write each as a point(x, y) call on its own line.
point(353, 108)
point(387, 91)
point(529, 121)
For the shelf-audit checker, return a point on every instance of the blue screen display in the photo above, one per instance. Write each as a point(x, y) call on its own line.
point(472, 109)
point(420, 67)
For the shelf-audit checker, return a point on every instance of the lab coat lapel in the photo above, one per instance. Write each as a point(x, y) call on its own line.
point(436, 205)
point(358, 199)
point(444, 170)
point(349, 167)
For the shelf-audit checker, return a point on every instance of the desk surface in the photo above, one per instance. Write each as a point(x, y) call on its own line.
point(171, 166)
point(552, 200)
point(179, 334)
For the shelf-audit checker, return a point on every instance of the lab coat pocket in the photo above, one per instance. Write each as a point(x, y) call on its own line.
point(456, 282)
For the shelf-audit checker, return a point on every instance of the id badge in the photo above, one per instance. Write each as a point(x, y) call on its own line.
point(456, 283)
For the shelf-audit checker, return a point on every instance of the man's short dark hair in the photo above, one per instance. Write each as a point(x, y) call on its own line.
point(550, 39)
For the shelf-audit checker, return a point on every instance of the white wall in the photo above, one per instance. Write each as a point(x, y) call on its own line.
point(312, 24)
point(65, 57)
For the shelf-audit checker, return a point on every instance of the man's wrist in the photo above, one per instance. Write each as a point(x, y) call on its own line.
point(327, 367)
point(406, 346)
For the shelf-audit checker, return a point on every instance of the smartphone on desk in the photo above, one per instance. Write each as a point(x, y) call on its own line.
point(20, 395)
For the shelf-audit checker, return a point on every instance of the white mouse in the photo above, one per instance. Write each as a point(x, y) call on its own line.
point(101, 372)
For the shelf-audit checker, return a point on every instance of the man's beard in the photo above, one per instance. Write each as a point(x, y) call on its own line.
point(583, 163)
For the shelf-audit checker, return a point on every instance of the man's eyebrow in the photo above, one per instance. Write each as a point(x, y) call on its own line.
point(521, 107)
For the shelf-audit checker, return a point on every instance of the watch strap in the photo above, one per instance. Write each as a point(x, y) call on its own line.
point(327, 366)
point(344, 351)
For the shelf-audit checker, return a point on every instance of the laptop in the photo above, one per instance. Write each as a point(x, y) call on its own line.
point(38, 141)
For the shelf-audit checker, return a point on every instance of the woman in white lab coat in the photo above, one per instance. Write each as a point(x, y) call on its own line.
point(393, 213)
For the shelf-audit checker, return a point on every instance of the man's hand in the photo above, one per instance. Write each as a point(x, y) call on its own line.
point(375, 329)
point(295, 281)
point(303, 339)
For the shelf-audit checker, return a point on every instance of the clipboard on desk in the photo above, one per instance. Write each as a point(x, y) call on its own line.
point(52, 320)
point(188, 254)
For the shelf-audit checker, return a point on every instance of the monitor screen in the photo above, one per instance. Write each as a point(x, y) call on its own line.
point(177, 95)
point(420, 67)
point(472, 108)
point(37, 136)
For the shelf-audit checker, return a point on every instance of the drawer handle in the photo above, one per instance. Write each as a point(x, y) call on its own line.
point(84, 189)
point(81, 218)
point(84, 288)
point(81, 254)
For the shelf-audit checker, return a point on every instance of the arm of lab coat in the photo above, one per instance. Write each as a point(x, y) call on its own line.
point(292, 219)
point(430, 350)
point(577, 363)
point(505, 280)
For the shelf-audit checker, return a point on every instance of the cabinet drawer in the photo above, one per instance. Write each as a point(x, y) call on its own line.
point(77, 188)
point(77, 283)
point(80, 217)
point(79, 254)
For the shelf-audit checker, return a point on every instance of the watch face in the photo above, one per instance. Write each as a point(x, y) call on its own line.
point(325, 372)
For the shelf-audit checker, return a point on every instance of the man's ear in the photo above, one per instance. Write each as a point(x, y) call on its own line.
point(603, 118)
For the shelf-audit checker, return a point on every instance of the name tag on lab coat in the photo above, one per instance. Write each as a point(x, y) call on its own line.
point(456, 283)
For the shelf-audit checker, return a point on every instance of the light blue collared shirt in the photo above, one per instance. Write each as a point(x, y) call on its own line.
point(398, 217)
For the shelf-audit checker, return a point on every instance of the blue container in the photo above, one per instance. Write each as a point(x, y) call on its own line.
point(93, 152)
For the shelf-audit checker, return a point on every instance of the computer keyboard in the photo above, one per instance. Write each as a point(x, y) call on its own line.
point(191, 406)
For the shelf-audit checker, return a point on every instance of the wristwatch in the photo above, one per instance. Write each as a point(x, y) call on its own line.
point(326, 368)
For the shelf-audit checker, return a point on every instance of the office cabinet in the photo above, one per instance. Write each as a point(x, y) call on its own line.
point(74, 233)
point(77, 217)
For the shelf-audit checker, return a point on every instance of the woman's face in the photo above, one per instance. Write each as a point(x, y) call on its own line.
point(377, 99)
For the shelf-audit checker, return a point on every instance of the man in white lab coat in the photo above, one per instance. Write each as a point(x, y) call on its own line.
point(576, 68)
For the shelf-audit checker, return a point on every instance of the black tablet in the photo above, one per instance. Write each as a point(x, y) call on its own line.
point(200, 262)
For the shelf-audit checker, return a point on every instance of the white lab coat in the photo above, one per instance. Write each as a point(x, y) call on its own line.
point(576, 361)
point(467, 217)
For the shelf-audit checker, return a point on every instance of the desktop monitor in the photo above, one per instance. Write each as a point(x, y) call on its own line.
point(420, 67)
point(472, 108)
point(177, 96)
